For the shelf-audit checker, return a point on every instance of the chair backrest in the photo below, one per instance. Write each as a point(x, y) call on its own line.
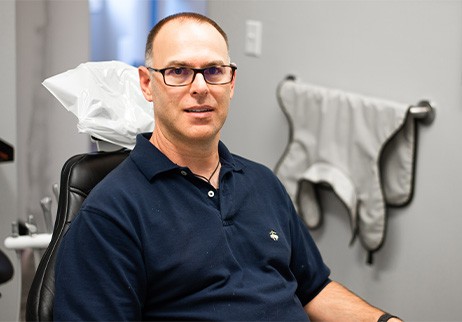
point(78, 177)
point(6, 268)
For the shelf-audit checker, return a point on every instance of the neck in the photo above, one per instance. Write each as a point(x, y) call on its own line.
point(200, 157)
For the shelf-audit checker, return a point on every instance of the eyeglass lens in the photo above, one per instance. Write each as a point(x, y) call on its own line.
point(184, 76)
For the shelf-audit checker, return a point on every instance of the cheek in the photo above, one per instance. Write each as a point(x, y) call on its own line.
point(225, 98)
point(165, 99)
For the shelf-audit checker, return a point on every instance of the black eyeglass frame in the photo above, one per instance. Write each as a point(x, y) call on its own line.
point(196, 71)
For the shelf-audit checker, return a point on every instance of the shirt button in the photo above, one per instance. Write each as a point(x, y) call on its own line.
point(184, 173)
point(211, 194)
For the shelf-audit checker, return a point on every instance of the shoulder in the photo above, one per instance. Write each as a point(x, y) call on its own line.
point(115, 191)
point(247, 164)
point(263, 177)
point(117, 179)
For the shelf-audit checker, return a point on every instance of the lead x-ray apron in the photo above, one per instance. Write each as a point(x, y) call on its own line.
point(362, 147)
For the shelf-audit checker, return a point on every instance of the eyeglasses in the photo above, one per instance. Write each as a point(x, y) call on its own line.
point(182, 76)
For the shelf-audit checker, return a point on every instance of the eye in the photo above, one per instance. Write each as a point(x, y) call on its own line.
point(177, 71)
point(216, 70)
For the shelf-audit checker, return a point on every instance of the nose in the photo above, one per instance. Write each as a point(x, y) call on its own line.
point(199, 85)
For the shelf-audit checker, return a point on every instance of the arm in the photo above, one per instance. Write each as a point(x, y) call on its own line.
point(336, 303)
point(99, 272)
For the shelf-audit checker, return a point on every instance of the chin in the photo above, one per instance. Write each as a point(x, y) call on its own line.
point(203, 136)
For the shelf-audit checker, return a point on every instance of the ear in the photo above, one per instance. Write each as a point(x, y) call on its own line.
point(232, 85)
point(145, 82)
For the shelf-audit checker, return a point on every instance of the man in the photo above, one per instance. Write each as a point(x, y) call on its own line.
point(185, 230)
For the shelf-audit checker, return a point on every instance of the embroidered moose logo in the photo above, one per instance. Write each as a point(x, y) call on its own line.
point(274, 236)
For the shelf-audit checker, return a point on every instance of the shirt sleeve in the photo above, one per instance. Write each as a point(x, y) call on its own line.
point(311, 272)
point(99, 271)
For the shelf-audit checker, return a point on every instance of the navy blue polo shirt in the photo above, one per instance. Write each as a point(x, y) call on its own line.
point(154, 242)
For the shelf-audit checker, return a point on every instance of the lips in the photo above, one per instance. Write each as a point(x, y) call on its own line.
point(199, 109)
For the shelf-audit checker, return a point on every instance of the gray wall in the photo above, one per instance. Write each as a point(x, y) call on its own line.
point(398, 50)
point(9, 304)
point(50, 40)
point(39, 38)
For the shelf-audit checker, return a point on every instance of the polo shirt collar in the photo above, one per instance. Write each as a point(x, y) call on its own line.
point(152, 162)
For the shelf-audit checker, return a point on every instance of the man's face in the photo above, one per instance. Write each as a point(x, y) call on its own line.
point(196, 111)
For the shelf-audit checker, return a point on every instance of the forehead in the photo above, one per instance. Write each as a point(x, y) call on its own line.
point(189, 41)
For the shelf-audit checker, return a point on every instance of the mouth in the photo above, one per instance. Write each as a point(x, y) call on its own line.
point(201, 109)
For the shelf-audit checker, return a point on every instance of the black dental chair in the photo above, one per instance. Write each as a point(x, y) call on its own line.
point(78, 177)
point(6, 268)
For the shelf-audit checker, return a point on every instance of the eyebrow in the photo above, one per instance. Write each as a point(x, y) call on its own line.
point(185, 64)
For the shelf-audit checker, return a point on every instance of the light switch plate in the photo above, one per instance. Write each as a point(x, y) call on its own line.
point(253, 38)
